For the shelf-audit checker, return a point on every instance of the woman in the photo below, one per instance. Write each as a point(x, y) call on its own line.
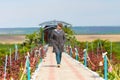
point(58, 39)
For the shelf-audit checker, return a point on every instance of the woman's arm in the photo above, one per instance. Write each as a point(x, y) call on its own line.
point(51, 38)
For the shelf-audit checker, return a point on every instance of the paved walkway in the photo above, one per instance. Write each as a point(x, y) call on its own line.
point(69, 70)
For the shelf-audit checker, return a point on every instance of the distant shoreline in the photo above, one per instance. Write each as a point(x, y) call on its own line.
point(89, 37)
point(12, 39)
point(13, 34)
point(15, 38)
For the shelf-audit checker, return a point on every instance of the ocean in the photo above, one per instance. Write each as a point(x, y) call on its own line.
point(76, 29)
point(97, 30)
point(18, 30)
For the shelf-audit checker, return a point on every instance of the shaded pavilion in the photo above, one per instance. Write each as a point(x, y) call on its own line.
point(48, 26)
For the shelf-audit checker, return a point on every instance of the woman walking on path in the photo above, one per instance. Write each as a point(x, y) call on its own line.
point(58, 39)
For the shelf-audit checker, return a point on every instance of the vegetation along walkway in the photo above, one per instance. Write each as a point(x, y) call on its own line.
point(70, 69)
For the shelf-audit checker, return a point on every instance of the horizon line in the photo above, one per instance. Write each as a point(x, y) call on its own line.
point(72, 26)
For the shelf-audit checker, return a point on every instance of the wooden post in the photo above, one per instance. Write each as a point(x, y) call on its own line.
point(65, 48)
point(85, 57)
point(16, 52)
point(10, 58)
point(101, 46)
point(28, 68)
point(5, 67)
point(76, 53)
point(105, 68)
point(70, 51)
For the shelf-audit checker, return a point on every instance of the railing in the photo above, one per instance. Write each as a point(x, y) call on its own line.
point(17, 67)
point(86, 59)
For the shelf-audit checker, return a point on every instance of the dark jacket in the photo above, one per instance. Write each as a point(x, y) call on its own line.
point(58, 39)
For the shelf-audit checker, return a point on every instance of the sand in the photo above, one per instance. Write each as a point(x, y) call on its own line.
point(89, 38)
point(11, 39)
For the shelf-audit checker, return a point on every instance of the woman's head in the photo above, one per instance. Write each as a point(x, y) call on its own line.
point(59, 26)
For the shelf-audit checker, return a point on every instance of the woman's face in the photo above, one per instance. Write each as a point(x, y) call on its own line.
point(58, 27)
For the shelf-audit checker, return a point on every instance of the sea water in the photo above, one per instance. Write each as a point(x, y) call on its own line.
point(76, 29)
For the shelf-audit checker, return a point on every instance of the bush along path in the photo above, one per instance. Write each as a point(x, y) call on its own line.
point(18, 66)
point(95, 60)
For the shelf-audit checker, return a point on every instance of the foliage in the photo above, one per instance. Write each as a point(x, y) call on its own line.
point(100, 44)
point(116, 49)
point(34, 38)
point(71, 40)
point(31, 38)
point(68, 30)
point(4, 49)
point(23, 50)
point(115, 75)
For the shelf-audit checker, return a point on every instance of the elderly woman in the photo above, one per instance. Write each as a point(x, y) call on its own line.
point(58, 39)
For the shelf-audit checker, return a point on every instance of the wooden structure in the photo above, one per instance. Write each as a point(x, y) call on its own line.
point(49, 26)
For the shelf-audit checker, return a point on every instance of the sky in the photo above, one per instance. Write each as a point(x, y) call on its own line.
point(30, 13)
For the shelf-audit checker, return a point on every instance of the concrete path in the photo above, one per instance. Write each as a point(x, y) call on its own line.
point(70, 69)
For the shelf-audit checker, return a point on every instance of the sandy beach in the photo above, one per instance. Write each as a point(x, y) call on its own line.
point(89, 38)
point(11, 39)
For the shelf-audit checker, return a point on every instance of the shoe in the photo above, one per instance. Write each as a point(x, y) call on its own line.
point(58, 65)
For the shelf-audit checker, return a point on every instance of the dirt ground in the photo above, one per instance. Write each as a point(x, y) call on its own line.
point(11, 39)
point(113, 38)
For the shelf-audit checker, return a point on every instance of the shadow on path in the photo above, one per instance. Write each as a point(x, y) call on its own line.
point(49, 66)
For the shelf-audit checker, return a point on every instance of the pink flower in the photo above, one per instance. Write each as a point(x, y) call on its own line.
point(110, 69)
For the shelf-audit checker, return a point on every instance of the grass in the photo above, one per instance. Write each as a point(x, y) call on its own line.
point(6, 46)
point(4, 49)
point(116, 49)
